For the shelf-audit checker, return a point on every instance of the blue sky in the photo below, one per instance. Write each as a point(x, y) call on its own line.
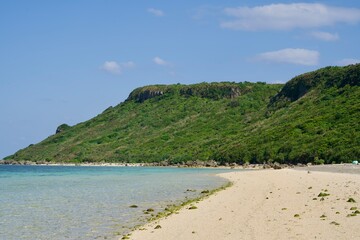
point(65, 61)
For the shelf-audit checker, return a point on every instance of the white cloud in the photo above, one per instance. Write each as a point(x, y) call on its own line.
point(288, 16)
point(348, 61)
point(116, 68)
point(291, 55)
point(155, 12)
point(160, 61)
point(112, 67)
point(325, 36)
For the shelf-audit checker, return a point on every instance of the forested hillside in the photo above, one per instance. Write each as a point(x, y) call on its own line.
point(312, 118)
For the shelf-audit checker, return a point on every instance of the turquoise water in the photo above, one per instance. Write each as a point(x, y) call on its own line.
point(62, 202)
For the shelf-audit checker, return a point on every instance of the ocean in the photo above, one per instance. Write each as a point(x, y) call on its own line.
point(81, 202)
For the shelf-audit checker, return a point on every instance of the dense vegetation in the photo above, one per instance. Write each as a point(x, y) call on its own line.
point(312, 118)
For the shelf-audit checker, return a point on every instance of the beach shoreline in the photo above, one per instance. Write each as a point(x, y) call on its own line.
point(187, 164)
point(343, 167)
point(268, 204)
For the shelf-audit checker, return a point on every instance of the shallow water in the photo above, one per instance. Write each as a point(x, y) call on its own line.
point(63, 202)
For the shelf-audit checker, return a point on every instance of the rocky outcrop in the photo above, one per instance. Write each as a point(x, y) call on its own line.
point(62, 128)
point(276, 166)
point(142, 94)
point(149, 94)
point(14, 162)
point(212, 91)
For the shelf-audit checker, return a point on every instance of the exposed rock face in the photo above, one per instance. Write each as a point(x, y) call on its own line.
point(145, 93)
point(213, 91)
point(61, 128)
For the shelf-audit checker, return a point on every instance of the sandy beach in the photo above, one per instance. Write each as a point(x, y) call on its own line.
point(269, 204)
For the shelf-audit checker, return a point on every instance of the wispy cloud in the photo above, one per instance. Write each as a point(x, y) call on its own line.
point(115, 67)
point(128, 64)
point(288, 16)
point(348, 61)
point(205, 11)
point(160, 61)
point(325, 36)
point(155, 12)
point(291, 55)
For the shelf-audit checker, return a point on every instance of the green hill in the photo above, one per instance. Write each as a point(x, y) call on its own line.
point(312, 118)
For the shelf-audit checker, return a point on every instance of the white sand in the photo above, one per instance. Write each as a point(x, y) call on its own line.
point(262, 205)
